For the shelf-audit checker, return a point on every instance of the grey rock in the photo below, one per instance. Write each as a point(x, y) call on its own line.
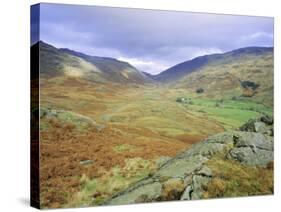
point(263, 125)
point(187, 193)
point(180, 167)
point(161, 161)
point(248, 156)
point(212, 145)
point(253, 140)
point(252, 148)
point(146, 193)
point(206, 149)
point(267, 120)
point(197, 186)
point(86, 162)
point(188, 180)
point(185, 176)
point(260, 127)
point(205, 171)
point(249, 126)
point(222, 138)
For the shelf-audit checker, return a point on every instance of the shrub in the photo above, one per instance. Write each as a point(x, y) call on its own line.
point(249, 84)
point(184, 100)
point(179, 99)
point(199, 90)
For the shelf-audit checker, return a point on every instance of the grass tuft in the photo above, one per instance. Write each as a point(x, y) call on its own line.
point(233, 179)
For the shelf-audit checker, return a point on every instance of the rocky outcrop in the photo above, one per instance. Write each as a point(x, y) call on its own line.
point(252, 148)
point(78, 120)
point(185, 176)
point(262, 125)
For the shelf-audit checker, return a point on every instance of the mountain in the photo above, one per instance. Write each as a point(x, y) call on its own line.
point(242, 73)
point(150, 76)
point(180, 70)
point(112, 67)
point(59, 62)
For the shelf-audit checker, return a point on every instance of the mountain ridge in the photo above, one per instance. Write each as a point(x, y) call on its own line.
point(58, 62)
point(179, 70)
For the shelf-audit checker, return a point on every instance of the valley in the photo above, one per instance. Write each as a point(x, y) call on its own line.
point(101, 132)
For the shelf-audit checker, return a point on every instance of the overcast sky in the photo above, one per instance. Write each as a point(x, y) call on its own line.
point(150, 40)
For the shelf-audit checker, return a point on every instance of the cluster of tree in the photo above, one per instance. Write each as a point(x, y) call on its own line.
point(199, 90)
point(249, 84)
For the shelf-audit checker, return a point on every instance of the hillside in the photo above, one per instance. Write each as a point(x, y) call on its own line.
point(56, 62)
point(242, 73)
point(182, 69)
point(114, 69)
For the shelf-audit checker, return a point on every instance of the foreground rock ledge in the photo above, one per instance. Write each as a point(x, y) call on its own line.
point(184, 176)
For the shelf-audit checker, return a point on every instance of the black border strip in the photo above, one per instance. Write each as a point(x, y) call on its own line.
point(34, 107)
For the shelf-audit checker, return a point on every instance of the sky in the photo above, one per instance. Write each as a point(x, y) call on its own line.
point(150, 40)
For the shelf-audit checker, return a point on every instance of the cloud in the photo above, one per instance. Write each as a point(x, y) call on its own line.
point(157, 38)
point(257, 39)
point(151, 67)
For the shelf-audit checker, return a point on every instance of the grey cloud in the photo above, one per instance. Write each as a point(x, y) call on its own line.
point(162, 36)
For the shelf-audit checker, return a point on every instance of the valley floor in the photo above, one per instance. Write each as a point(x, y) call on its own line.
point(97, 139)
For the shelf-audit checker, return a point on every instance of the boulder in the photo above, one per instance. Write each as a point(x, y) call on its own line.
point(260, 127)
point(161, 161)
point(205, 171)
point(198, 183)
point(253, 140)
point(187, 193)
point(249, 156)
point(267, 120)
point(263, 125)
point(250, 148)
point(86, 162)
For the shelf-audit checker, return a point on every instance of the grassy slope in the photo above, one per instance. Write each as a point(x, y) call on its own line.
point(59, 62)
point(234, 179)
point(221, 80)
